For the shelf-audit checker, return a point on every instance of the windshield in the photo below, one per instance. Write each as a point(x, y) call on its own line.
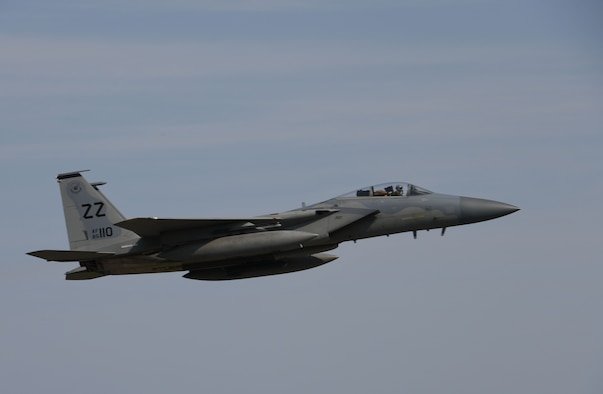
point(395, 189)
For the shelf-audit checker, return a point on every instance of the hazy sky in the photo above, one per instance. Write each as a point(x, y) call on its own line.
point(239, 108)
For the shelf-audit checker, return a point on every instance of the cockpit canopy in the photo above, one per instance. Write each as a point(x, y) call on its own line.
point(397, 189)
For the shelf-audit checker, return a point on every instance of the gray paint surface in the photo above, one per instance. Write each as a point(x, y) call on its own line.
point(105, 243)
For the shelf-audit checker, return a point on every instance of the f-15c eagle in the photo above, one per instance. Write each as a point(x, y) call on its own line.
point(104, 242)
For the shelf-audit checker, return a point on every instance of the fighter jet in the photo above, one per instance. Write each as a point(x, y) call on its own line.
point(105, 243)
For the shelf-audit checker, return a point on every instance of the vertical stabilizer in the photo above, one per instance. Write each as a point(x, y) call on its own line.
point(90, 216)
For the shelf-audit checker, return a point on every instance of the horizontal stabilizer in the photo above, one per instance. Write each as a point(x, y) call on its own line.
point(69, 255)
point(153, 227)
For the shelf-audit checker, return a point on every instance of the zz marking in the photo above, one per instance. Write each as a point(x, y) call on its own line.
point(88, 213)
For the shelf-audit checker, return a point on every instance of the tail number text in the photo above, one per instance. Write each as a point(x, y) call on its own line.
point(102, 232)
point(93, 210)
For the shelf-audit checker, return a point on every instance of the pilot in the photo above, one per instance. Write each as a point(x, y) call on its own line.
point(399, 191)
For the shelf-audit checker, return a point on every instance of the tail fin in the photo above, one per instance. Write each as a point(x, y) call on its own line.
point(90, 216)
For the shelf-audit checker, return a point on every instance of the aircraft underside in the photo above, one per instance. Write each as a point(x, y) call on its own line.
point(218, 270)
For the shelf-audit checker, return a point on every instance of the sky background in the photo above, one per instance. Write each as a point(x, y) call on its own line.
point(240, 108)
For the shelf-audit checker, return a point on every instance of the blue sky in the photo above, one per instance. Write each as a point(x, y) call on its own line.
point(240, 108)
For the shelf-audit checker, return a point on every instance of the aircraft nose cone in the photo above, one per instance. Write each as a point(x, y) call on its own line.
point(477, 209)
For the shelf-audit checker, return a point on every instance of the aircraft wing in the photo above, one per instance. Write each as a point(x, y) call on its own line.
point(69, 255)
point(153, 227)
